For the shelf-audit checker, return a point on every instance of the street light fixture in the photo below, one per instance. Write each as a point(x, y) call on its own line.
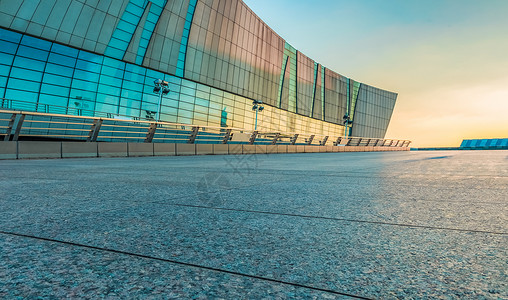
point(257, 107)
point(161, 89)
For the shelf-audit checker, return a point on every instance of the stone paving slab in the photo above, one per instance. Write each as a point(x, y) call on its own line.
point(354, 223)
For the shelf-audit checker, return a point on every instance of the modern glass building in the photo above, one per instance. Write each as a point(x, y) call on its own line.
point(96, 57)
point(484, 144)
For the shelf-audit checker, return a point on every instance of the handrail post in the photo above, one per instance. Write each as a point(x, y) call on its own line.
point(276, 138)
point(193, 135)
point(293, 139)
point(151, 133)
point(94, 130)
point(227, 136)
point(253, 136)
point(311, 138)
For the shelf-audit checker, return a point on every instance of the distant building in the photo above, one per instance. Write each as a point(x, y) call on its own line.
point(92, 58)
point(484, 144)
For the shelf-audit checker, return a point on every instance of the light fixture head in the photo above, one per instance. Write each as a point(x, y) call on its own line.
point(156, 89)
point(261, 108)
point(165, 91)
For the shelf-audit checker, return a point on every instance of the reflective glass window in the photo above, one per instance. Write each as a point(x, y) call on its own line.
point(6, 58)
point(64, 50)
point(21, 95)
point(84, 75)
point(138, 87)
point(61, 60)
point(8, 47)
point(130, 103)
point(111, 81)
point(27, 63)
point(35, 43)
point(26, 74)
point(107, 108)
point(83, 94)
point(59, 70)
point(106, 89)
point(22, 84)
point(57, 80)
point(32, 53)
point(53, 100)
point(54, 90)
point(103, 98)
point(91, 57)
point(88, 66)
point(8, 35)
point(84, 85)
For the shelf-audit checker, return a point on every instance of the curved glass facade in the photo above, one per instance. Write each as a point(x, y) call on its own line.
point(90, 57)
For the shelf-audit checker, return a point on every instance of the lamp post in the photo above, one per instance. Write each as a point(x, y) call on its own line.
point(257, 107)
point(161, 89)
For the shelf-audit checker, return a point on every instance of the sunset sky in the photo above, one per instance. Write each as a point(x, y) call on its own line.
point(447, 59)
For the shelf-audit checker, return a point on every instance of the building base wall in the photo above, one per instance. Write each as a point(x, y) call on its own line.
point(38, 150)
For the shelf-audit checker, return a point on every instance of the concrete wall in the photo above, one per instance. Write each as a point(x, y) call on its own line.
point(36, 149)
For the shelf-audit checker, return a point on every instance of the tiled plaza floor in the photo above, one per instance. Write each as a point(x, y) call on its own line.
point(325, 225)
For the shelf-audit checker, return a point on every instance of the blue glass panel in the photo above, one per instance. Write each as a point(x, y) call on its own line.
point(55, 79)
point(35, 42)
point(91, 57)
point(114, 63)
point(61, 60)
point(84, 75)
point(84, 85)
point(114, 72)
point(6, 58)
point(110, 90)
point(8, 35)
point(127, 111)
point(22, 84)
point(135, 77)
point(27, 63)
point(64, 50)
point(3, 81)
point(59, 70)
point(26, 74)
point(88, 66)
point(21, 95)
point(152, 75)
point(150, 98)
point(83, 94)
point(8, 47)
point(130, 103)
point(32, 53)
point(102, 98)
point(132, 86)
point(112, 81)
point(149, 106)
point(53, 100)
point(55, 90)
point(131, 94)
point(106, 108)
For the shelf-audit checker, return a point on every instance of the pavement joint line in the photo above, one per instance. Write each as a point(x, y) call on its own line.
point(336, 219)
point(181, 263)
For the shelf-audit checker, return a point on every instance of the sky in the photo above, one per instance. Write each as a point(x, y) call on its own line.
point(446, 59)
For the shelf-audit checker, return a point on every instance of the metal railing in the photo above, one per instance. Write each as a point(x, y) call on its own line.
point(38, 125)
